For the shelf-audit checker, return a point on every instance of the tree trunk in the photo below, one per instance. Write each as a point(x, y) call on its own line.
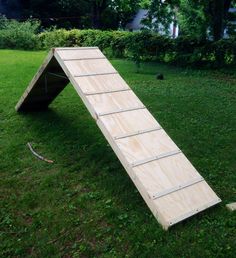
point(219, 11)
point(217, 19)
point(98, 7)
point(96, 17)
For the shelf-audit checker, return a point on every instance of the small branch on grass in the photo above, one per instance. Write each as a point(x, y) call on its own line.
point(37, 155)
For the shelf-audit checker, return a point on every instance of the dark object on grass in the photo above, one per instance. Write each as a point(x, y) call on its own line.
point(160, 76)
point(37, 155)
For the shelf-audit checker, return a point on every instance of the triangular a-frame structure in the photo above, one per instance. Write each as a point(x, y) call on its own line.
point(167, 181)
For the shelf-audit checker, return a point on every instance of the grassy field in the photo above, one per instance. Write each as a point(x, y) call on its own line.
point(85, 205)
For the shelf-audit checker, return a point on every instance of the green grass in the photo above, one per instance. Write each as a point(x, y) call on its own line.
point(85, 205)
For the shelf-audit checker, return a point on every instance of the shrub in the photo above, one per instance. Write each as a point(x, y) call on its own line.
point(55, 38)
point(119, 43)
point(225, 52)
point(138, 46)
point(18, 35)
point(147, 46)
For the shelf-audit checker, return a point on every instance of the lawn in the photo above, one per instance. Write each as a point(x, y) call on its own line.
point(85, 205)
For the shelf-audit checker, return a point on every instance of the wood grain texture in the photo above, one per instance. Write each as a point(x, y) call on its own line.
point(103, 103)
point(87, 67)
point(189, 201)
point(80, 54)
point(93, 84)
point(165, 173)
point(129, 122)
point(172, 188)
point(146, 145)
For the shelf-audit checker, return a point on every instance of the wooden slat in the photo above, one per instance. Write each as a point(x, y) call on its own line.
point(156, 157)
point(94, 74)
point(105, 92)
point(126, 135)
point(190, 213)
point(144, 146)
point(166, 173)
point(80, 54)
point(120, 110)
point(58, 49)
point(88, 67)
point(110, 102)
point(100, 83)
point(179, 187)
point(129, 122)
point(179, 205)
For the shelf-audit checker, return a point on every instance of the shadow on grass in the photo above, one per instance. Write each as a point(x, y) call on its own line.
point(77, 144)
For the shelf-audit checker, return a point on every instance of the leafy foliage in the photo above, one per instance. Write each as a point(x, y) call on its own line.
point(146, 45)
point(97, 14)
point(198, 19)
point(192, 19)
point(138, 46)
point(160, 14)
point(20, 35)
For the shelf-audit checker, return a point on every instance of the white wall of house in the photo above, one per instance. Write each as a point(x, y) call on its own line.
point(136, 24)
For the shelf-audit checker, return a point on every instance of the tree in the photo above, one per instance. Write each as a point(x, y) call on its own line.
point(200, 16)
point(97, 14)
point(97, 9)
point(124, 10)
point(231, 26)
point(112, 13)
point(217, 11)
point(60, 13)
point(196, 18)
point(192, 18)
point(160, 14)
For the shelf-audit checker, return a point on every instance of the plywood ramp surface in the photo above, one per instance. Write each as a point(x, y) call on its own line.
point(167, 181)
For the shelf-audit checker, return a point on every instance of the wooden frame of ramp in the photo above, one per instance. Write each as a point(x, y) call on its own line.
point(167, 181)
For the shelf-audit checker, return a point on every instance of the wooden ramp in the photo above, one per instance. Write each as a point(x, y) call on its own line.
point(167, 181)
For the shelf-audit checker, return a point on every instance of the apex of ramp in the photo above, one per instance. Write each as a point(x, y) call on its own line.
point(170, 185)
point(74, 48)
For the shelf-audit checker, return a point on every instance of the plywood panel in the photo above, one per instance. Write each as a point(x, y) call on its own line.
point(102, 83)
point(129, 122)
point(115, 101)
point(166, 173)
point(80, 54)
point(146, 145)
point(87, 67)
point(186, 202)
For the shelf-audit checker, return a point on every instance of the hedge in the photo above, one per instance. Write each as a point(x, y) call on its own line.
point(136, 45)
point(146, 46)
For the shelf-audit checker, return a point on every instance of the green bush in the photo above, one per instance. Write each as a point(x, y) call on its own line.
point(145, 45)
point(119, 42)
point(138, 46)
point(56, 38)
point(18, 35)
point(225, 52)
